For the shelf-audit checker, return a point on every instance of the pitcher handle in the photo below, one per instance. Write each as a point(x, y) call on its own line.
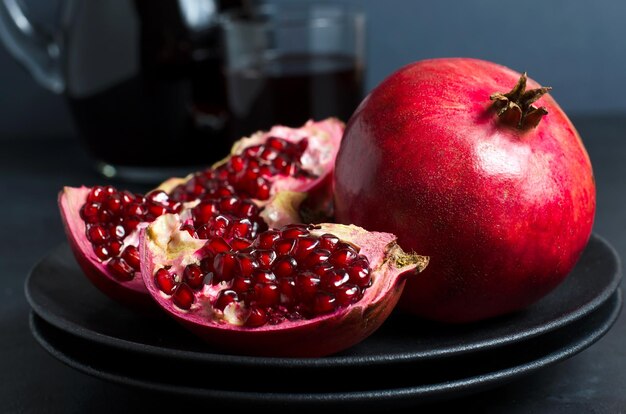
point(35, 49)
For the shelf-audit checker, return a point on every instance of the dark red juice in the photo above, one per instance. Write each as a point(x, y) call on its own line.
point(145, 83)
point(292, 89)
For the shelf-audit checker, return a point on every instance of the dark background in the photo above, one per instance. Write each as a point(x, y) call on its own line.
point(575, 46)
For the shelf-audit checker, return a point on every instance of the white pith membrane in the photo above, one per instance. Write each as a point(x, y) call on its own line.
point(163, 245)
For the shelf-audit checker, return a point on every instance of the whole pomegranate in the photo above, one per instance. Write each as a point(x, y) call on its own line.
point(470, 163)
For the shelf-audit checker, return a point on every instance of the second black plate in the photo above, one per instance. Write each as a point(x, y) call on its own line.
point(428, 382)
point(58, 292)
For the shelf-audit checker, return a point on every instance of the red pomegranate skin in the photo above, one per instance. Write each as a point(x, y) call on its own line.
point(504, 213)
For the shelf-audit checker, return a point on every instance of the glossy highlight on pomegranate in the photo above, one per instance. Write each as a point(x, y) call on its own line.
point(301, 290)
point(271, 178)
point(478, 167)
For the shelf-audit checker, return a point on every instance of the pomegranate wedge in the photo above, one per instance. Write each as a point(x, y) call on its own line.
point(271, 178)
point(299, 291)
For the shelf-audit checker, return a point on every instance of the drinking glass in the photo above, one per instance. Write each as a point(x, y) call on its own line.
point(286, 63)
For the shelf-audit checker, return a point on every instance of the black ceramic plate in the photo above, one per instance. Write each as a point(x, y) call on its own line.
point(472, 374)
point(59, 293)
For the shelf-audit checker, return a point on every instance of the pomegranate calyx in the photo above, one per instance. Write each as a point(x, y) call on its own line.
point(401, 259)
point(516, 107)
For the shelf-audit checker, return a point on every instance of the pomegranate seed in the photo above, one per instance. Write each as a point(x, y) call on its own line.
point(335, 279)
point(247, 209)
point(287, 288)
point(225, 266)
point(266, 294)
point(102, 251)
point(239, 243)
point(316, 257)
point(257, 317)
point(97, 234)
point(301, 146)
point(359, 273)
point(307, 284)
point(127, 197)
point(268, 154)
point(263, 276)
point(240, 228)
point(131, 256)
point(264, 257)
point(104, 215)
point(203, 212)
point(154, 210)
point(114, 204)
point(134, 209)
point(275, 143)
point(89, 212)
point(284, 266)
point(96, 194)
point(117, 232)
point(225, 191)
point(114, 247)
point(347, 294)
point(266, 239)
point(292, 231)
point(323, 269)
point(281, 164)
point(225, 297)
point(109, 190)
point(324, 302)
point(304, 245)
point(328, 241)
point(246, 264)
point(120, 269)
point(194, 189)
point(206, 264)
point(228, 204)
point(284, 246)
point(236, 163)
point(165, 281)
point(183, 296)
point(157, 197)
point(193, 276)
point(218, 225)
point(131, 223)
point(241, 284)
point(217, 245)
point(262, 189)
point(342, 257)
point(204, 231)
point(252, 152)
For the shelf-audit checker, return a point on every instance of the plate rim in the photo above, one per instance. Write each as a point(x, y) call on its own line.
point(423, 393)
point(332, 360)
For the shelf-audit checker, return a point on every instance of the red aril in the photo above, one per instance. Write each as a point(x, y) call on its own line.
point(271, 178)
point(278, 296)
point(495, 186)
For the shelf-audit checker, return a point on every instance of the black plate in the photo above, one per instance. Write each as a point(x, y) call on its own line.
point(59, 293)
point(438, 382)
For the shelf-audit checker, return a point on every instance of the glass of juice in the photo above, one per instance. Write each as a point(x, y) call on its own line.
point(286, 63)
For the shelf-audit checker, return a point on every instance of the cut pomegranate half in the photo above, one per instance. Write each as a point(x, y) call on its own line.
point(301, 290)
point(271, 178)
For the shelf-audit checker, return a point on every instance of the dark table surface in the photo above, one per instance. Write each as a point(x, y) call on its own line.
point(33, 170)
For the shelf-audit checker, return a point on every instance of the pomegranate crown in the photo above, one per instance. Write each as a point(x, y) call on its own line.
point(516, 107)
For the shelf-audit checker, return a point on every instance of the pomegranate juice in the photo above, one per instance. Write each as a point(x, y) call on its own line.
point(292, 89)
